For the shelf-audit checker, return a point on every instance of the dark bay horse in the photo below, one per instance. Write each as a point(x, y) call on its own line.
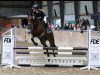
point(38, 30)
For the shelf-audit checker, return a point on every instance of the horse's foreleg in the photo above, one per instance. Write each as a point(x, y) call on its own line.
point(43, 42)
point(35, 43)
point(52, 43)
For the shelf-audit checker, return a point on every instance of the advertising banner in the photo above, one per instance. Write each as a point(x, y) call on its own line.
point(94, 51)
point(7, 49)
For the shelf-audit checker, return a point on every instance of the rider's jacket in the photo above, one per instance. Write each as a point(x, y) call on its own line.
point(40, 14)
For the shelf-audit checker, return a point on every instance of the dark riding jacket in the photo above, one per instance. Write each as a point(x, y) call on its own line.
point(40, 14)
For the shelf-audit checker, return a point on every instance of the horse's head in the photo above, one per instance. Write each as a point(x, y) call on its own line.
point(30, 20)
point(33, 20)
point(31, 17)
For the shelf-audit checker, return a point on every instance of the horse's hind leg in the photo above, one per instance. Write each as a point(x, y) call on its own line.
point(35, 43)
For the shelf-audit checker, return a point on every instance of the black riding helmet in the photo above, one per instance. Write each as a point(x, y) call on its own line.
point(35, 6)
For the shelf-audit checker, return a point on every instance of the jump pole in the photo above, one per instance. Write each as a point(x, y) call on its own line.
point(52, 48)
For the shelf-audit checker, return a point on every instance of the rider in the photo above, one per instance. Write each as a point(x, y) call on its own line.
point(40, 13)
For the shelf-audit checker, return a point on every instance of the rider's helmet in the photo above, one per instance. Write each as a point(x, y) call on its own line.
point(35, 6)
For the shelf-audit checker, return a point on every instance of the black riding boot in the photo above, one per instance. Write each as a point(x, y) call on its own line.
point(46, 27)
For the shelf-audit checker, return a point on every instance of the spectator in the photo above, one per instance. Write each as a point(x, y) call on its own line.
point(70, 26)
point(87, 23)
point(66, 26)
point(84, 24)
point(58, 27)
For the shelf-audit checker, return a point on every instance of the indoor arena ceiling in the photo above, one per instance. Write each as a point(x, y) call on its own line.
point(16, 4)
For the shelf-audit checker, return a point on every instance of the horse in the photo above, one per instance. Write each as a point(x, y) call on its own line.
point(38, 30)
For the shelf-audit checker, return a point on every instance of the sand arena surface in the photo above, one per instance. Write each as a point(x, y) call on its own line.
point(47, 71)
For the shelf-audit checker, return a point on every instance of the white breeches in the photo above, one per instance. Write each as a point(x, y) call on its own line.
point(45, 19)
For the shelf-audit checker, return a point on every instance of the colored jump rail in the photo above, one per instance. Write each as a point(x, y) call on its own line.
point(49, 65)
point(69, 53)
point(53, 48)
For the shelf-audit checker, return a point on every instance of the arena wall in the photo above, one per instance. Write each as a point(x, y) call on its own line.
point(62, 38)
